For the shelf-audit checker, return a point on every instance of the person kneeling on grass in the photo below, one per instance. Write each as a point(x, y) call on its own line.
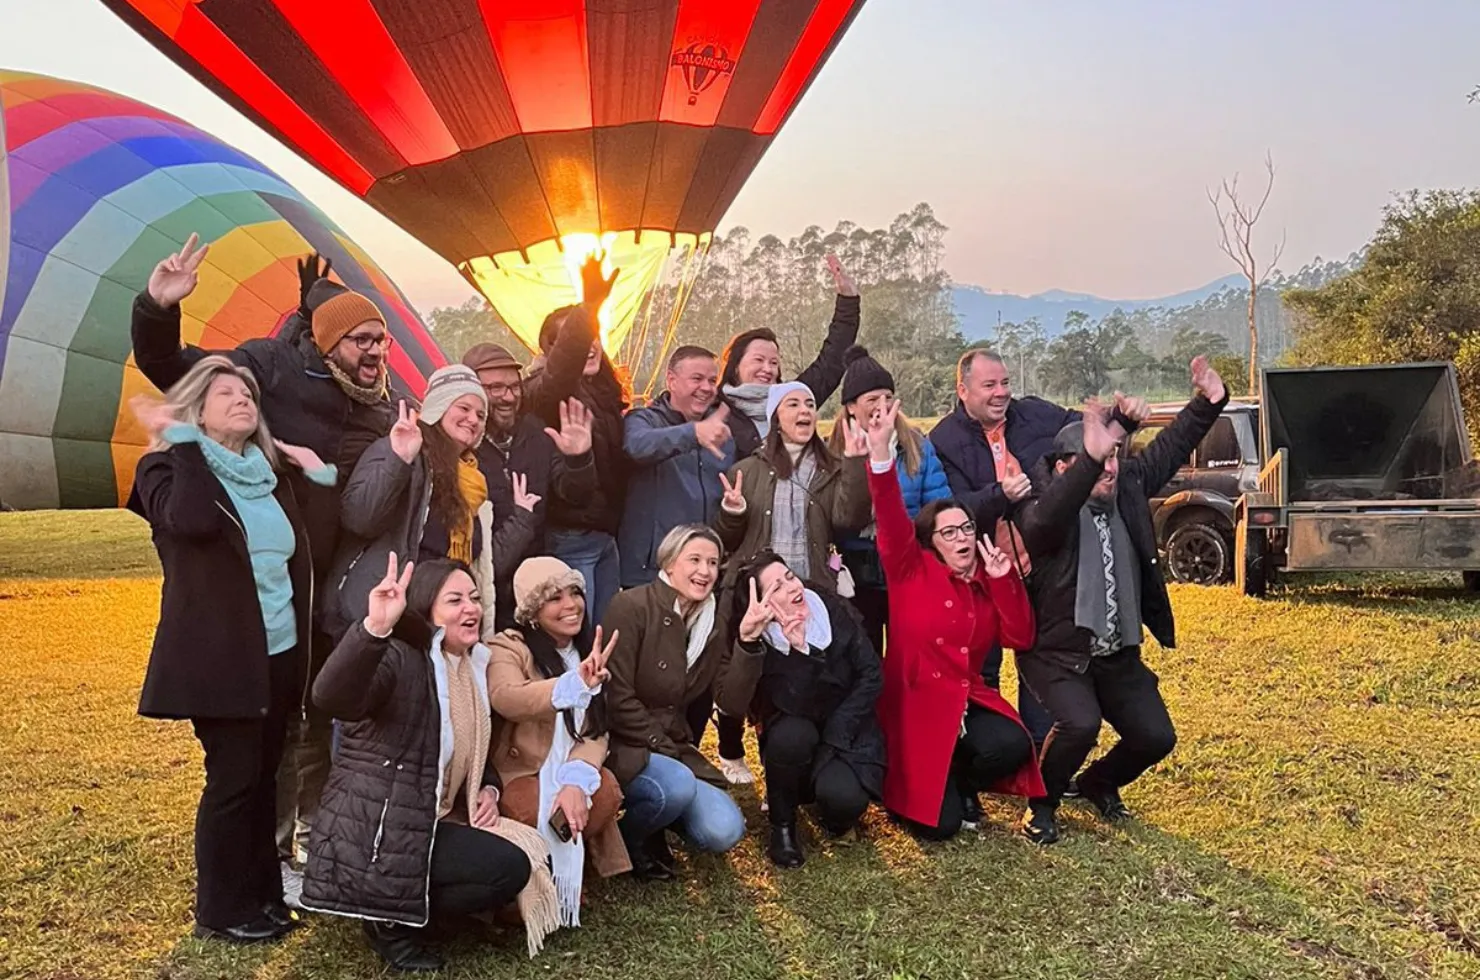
point(550, 730)
point(806, 671)
point(672, 647)
point(410, 830)
point(952, 600)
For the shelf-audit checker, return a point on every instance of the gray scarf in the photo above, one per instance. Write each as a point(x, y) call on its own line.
point(1120, 626)
point(789, 515)
point(750, 400)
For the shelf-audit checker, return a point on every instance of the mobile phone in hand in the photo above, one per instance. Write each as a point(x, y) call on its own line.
point(560, 825)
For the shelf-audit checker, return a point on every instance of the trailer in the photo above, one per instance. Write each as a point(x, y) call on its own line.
point(1363, 469)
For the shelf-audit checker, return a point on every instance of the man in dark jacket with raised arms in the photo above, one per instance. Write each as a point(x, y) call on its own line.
point(324, 385)
point(1096, 581)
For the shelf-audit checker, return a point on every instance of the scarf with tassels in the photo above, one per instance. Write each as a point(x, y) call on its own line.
point(372, 395)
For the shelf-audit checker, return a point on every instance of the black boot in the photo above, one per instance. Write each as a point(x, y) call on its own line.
point(971, 811)
point(651, 859)
point(1041, 822)
point(401, 947)
point(260, 930)
point(1106, 799)
point(279, 914)
point(786, 847)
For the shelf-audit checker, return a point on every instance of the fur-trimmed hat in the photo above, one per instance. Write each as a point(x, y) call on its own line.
point(537, 581)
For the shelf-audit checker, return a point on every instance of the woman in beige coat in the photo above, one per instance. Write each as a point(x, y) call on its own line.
point(550, 728)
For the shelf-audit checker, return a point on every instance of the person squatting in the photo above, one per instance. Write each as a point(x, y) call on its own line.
point(446, 659)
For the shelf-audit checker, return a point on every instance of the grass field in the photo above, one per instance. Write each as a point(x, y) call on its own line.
point(1320, 818)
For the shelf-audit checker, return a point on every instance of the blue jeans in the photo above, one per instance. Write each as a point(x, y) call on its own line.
point(668, 794)
point(594, 555)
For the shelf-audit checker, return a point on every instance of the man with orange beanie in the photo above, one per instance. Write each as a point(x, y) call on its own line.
point(324, 385)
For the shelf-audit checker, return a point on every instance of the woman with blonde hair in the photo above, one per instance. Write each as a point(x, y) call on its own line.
point(230, 650)
point(868, 387)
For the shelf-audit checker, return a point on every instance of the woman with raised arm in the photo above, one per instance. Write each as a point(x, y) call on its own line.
point(234, 626)
point(952, 600)
point(410, 829)
point(550, 734)
point(805, 670)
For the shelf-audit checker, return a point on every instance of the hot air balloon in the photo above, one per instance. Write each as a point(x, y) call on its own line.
point(515, 136)
point(99, 188)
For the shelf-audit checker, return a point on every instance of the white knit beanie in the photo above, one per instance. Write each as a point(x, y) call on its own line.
point(778, 392)
point(445, 386)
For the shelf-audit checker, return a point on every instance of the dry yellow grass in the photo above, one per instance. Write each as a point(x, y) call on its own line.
point(1319, 819)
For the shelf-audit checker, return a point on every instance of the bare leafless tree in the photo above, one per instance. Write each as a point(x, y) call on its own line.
point(1236, 220)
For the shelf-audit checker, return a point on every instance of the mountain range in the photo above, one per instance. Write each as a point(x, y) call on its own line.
point(979, 310)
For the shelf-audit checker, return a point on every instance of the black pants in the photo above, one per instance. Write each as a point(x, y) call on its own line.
point(236, 862)
point(873, 609)
point(1119, 689)
point(788, 747)
point(731, 730)
point(993, 747)
point(474, 871)
point(305, 767)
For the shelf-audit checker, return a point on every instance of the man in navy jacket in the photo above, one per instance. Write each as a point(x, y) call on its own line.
point(990, 432)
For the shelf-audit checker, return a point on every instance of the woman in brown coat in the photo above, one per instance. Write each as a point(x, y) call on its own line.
point(550, 728)
point(671, 649)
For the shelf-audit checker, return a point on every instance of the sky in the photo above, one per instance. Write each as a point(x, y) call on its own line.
point(1068, 144)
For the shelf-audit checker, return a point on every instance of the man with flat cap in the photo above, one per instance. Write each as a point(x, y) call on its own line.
point(520, 456)
point(1096, 581)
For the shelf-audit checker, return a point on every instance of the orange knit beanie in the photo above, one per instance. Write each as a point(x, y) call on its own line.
point(338, 316)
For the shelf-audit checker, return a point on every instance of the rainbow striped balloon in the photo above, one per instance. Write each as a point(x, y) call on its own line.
point(94, 190)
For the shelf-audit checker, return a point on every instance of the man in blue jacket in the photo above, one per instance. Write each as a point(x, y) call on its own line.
point(987, 446)
point(678, 446)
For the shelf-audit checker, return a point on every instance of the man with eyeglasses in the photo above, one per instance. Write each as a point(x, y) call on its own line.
point(1096, 582)
point(325, 385)
point(517, 442)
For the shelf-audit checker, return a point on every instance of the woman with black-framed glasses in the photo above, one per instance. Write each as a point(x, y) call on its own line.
point(952, 599)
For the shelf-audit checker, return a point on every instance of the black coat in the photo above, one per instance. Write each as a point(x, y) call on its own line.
point(547, 472)
point(1049, 524)
point(967, 458)
point(209, 658)
point(837, 689)
point(823, 375)
point(301, 402)
point(370, 853)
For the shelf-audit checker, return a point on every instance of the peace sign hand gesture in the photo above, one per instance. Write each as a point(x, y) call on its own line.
point(994, 559)
point(758, 615)
point(593, 668)
point(856, 441)
point(734, 498)
point(523, 499)
point(406, 434)
point(880, 431)
point(177, 274)
point(844, 282)
point(388, 599)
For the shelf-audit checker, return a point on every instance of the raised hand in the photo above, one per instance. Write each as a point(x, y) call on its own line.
point(574, 436)
point(994, 559)
point(1016, 486)
point(1134, 408)
point(154, 415)
point(758, 615)
point(595, 286)
point(881, 431)
point(311, 268)
point(177, 274)
point(388, 599)
point(713, 432)
point(734, 498)
point(844, 282)
point(593, 669)
point(523, 499)
point(855, 439)
point(300, 456)
point(406, 434)
point(1099, 440)
point(1206, 380)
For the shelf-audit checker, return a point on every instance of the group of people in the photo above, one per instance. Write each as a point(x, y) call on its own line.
point(445, 656)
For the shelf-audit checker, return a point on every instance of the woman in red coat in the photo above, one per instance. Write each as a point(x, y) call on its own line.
point(951, 600)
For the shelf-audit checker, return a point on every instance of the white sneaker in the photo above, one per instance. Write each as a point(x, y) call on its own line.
point(292, 886)
point(736, 772)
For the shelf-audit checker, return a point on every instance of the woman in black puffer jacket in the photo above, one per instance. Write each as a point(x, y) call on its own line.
point(407, 830)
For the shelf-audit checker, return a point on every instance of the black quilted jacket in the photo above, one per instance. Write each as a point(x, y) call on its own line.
point(370, 854)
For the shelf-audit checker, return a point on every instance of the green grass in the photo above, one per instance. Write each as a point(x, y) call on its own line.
point(1319, 818)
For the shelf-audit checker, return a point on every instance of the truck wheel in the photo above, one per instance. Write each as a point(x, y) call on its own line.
point(1251, 561)
point(1198, 554)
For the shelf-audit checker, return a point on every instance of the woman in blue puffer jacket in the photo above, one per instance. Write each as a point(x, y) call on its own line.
point(868, 387)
